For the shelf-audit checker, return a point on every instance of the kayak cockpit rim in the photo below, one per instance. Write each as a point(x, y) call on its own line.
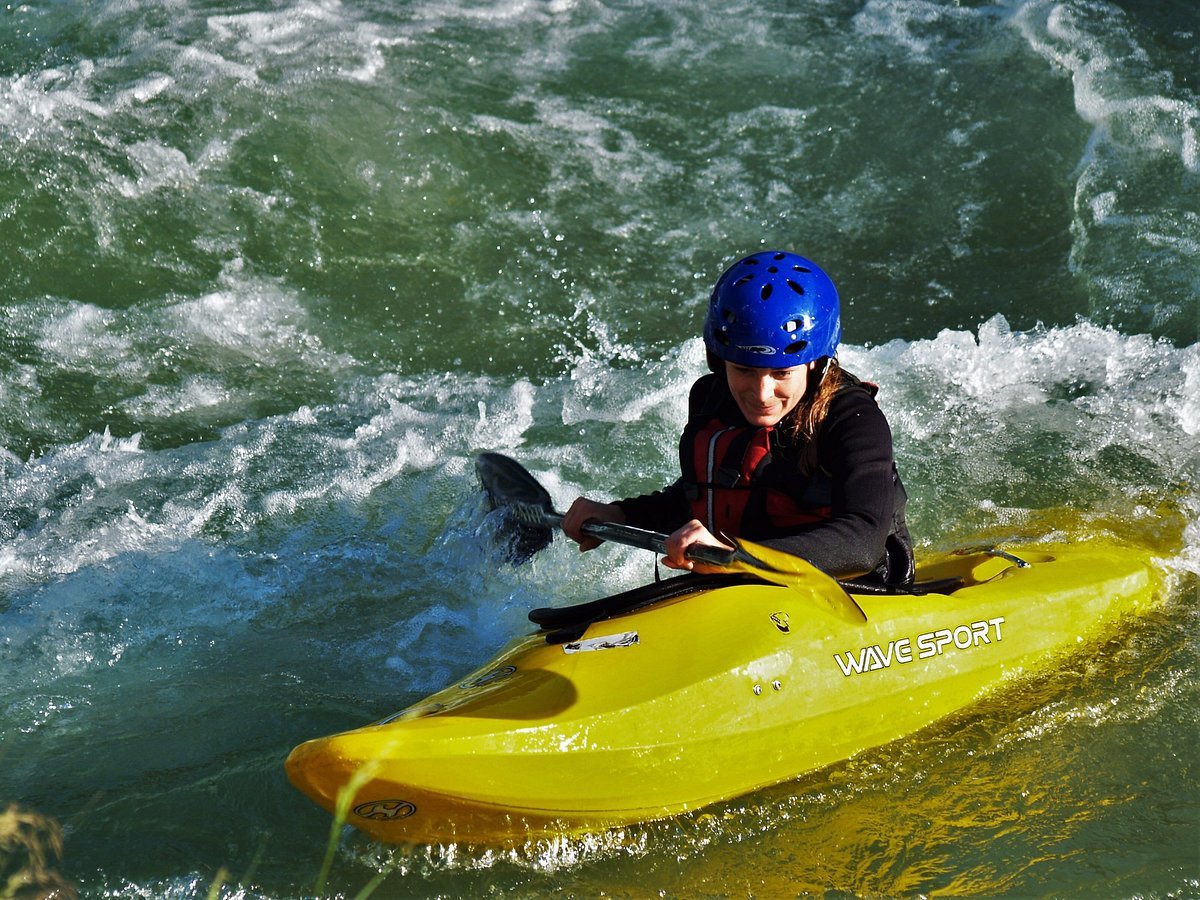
point(566, 623)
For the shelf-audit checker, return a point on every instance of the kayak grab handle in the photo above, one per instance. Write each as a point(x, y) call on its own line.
point(996, 552)
point(1005, 555)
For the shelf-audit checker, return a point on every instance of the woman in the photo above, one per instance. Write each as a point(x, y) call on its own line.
point(782, 446)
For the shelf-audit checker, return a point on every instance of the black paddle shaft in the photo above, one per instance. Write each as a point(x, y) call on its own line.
point(510, 487)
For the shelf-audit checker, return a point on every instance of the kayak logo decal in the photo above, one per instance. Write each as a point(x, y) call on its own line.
point(385, 810)
point(782, 621)
point(931, 643)
point(608, 642)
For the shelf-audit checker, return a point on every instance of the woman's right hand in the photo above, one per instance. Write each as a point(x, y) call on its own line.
point(585, 510)
point(682, 539)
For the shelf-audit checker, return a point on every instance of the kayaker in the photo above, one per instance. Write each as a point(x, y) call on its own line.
point(782, 445)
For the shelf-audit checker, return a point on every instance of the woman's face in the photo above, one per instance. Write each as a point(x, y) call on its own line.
point(765, 396)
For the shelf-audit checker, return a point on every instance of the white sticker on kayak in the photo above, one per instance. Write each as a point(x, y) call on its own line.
point(930, 643)
point(608, 642)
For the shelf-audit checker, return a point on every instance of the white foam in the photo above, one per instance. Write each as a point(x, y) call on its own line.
point(255, 318)
point(1189, 401)
point(82, 337)
point(195, 59)
point(69, 490)
point(320, 32)
point(149, 88)
point(1116, 88)
point(423, 426)
point(1129, 201)
point(193, 394)
point(157, 166)
point(571, 134)
point(52, 97)
point(1121, 411)
point(247, 323)
point(984, 367)
point(598, 391)
point(503, 421)
point(492, 11)
point(906, 22)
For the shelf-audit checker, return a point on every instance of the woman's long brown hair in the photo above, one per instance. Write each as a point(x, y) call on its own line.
point(811, 412)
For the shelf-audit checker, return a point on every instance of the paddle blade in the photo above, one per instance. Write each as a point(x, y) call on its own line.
point(799, 574)
point(522, 502)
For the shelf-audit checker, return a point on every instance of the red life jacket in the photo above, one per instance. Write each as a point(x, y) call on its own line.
point(724, 467)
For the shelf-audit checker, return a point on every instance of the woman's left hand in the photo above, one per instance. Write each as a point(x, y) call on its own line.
point(680, 540)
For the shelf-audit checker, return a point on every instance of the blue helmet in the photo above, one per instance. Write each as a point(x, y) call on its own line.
point(773, 310)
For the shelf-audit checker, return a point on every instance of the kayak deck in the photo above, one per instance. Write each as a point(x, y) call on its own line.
point(631, 714)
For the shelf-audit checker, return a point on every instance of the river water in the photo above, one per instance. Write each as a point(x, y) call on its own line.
point(274, 272)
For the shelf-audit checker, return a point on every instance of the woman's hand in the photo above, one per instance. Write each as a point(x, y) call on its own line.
point(585, 510)
point(680, 540)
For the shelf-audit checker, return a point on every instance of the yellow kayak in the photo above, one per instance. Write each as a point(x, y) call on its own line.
point(703, 688)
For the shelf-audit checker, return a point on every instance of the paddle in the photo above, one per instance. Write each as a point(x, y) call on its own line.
point(511, 488)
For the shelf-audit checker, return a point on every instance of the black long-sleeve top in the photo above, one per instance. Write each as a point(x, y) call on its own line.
point(852, 471)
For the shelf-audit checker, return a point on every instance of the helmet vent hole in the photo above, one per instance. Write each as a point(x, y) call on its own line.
point(803, 269)
point(795, 286)
point(743, 280)
point(765, 293)
point(772, 269)
point(728, 316)
point(795, 347)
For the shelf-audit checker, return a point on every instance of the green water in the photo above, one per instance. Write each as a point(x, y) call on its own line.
point(273, 274)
